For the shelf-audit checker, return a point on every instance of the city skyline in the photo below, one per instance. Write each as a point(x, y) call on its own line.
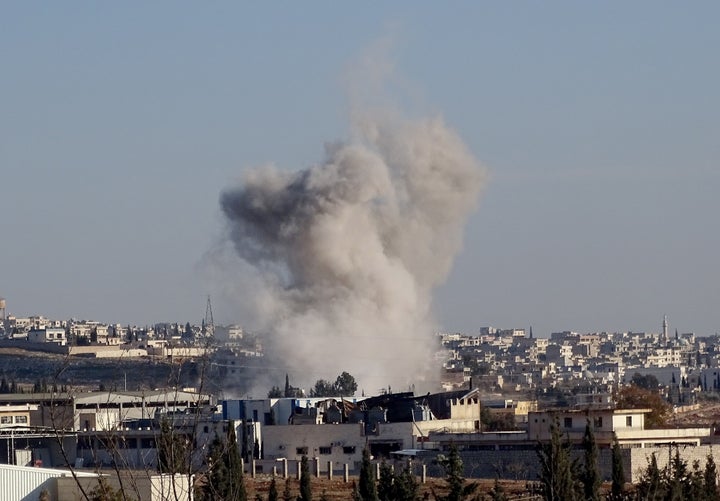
point(597, 125)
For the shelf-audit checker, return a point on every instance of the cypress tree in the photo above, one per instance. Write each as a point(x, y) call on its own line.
point(678, 478)
point(618, 473)
point(710, 480)
point(366, 485)
point(235, 467)
point(557, 481)
point(590, 475)
point(225, 476)
point(305, 490)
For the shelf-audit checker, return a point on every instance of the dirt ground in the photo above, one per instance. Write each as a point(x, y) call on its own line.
point(337, 490)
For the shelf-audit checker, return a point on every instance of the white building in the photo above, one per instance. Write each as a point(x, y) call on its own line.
point(48, 335)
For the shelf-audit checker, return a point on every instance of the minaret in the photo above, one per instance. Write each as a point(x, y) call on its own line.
point(665, 330)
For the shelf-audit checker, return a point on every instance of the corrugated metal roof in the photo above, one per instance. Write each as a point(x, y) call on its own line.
point(25, 483)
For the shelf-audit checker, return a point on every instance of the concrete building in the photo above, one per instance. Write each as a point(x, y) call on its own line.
point(47, 335)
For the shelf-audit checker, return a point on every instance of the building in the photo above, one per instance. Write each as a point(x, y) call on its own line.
point(47, 335)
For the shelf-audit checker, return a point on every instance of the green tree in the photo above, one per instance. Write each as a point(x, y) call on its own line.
point(710, 490)
point(457, 488)
point(305, 489)
point(678, 476)
point(556, 470)
point(345, 385)
point(323, 388)
point(651, 486)
point(385, 487)
point(590, 475)
point(225, 480)
point(275, 392)
point(406, 485)
point(272, 491)
point(617, 490)
point(366, 484)
point(287, 495)
point(104, 492)
point(497, 493)
point(356, 493)
point(647, 382)
point(288, 389)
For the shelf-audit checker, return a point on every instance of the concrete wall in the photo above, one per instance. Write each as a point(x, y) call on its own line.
point(141, 485)
point(640, 457)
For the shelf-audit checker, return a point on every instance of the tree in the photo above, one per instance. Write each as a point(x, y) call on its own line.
point(172, 450)
point(188, 334)
point(275, 392)
point(617, 489)
point(356, 493)
point(651, 486)
point(406, 487)
point(556, 470)
point(457, 489)
point(590, 475)
point(104, 492)
point(646, 382)
point(225, 474)
point(287, 496)
point(305, 489)
point(288, 388)
point(272, 491)
point(366, 483)
point(345, 385)
point(323, 388)
point(710, 490)
point(497, 493)
point(385, 488)
point(678, 478)
point(634, 397)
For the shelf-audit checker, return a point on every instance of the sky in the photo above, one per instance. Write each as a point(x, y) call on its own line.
point(598, 123)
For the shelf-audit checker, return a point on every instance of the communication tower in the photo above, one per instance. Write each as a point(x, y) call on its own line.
point(209, 323)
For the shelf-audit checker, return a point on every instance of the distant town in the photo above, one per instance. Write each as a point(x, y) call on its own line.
point(502, 393)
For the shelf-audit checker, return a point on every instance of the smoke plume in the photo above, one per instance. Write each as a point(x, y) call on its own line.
point(350, 250)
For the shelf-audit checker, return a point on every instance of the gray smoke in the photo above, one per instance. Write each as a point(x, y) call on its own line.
point(350, 250)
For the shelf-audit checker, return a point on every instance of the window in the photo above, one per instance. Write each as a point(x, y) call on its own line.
point(349, 449)
point(5, 419)
point(301, 451)
point(21, 419)
point(568, 422)
point(206, 429)
point(598, 422)
point(325, 450)
point(628, 421)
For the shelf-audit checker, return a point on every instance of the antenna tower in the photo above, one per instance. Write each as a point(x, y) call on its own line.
point(209, 322)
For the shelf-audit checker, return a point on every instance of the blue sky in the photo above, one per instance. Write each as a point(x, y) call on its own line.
point(120, 125)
